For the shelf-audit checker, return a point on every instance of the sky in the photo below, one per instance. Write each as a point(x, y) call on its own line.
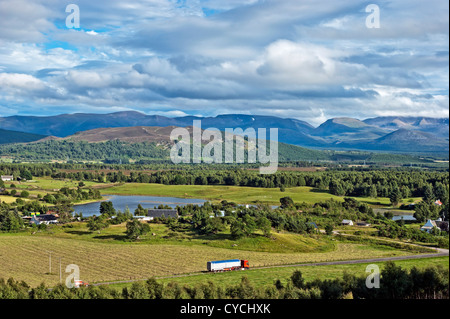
point(306, 59)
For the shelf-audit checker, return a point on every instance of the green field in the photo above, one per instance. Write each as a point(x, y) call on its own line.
point(263, 277)
point(48, 184)
point(42, 186)
point(237, 194)
point(215, 194)
point(7, 199)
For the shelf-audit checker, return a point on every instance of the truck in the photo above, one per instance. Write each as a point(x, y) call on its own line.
point(227, 265)
point(80, 283)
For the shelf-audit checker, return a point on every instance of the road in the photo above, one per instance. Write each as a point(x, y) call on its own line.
point(440, 253)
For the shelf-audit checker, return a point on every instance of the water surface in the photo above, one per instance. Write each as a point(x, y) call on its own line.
point(121, 202)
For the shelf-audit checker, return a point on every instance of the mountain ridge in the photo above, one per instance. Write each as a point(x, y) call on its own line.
point(334, 133)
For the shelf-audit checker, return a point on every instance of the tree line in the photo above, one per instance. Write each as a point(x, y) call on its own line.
point(395, 283)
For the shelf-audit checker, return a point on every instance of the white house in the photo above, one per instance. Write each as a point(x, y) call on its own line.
point(7, 178)
point(347, 222)
point(44, 219)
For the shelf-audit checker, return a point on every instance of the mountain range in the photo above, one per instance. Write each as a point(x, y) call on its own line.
point(401, 134)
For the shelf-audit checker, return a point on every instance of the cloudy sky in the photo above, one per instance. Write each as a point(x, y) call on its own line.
point(305, 59)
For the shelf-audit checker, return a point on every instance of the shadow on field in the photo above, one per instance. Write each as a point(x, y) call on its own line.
point(213, 237)
point(78, 232)
point(114, 237)
point(321, 191)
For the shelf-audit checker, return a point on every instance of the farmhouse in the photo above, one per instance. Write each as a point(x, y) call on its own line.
point(7, 178)
point(159, 213)
point(347, 222)
point(44, 219)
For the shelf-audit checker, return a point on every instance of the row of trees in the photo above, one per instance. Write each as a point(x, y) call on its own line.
point(395, 283)
point(112, 151)
point(10, 219)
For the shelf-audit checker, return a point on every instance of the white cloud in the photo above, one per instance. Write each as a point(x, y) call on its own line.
point(304, 59)
point(20, 82)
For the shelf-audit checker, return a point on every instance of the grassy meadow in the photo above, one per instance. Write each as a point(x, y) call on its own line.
point(263, 277)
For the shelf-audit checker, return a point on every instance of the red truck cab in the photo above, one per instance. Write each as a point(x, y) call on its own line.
point(245, 264)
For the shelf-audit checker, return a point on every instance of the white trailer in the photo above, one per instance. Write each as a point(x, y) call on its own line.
point(224, 265)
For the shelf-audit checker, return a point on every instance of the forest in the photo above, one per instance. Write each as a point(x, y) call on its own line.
point(119, 152)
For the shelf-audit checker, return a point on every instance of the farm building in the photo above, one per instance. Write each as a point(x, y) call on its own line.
point(431, 224)
point(347, 222)
point(159, 213)
point(438, 203)
point(143, 218)
point(7, 178)
point(44, 219)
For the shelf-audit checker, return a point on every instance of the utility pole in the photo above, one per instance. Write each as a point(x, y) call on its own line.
point(50, 262)
point(60, 275)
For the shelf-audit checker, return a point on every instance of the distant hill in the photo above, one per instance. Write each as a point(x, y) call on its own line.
point(114, 145)
point(7, 136)
point(342, 129)
point(135, 134)
point(68, 124)
point(403, 140)
point(435, 126)
point(337, 133)
point(143, 144)
point(161, 136)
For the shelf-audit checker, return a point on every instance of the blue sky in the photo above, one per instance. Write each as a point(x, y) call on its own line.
point(305, 59)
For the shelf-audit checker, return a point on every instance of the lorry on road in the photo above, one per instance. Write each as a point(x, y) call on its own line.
point(227, 265)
